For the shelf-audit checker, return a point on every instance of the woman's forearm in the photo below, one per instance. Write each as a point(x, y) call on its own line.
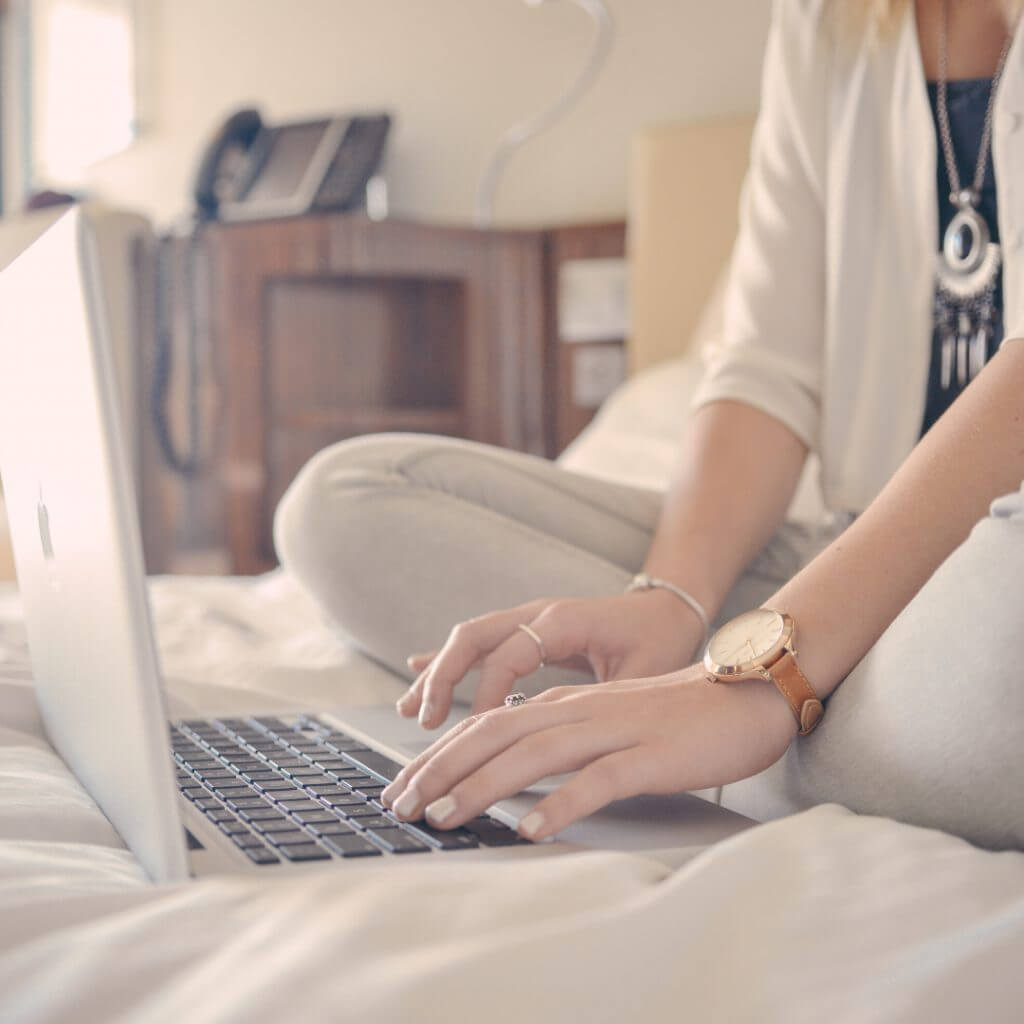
point(738, 469)
point(845, 599)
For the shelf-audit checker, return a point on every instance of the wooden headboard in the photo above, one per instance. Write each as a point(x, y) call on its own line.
point(685, 180)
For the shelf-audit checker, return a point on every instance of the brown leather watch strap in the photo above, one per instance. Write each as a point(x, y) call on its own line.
point(793, 685)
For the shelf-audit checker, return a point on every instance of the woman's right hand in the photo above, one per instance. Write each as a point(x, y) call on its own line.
point(628, 636)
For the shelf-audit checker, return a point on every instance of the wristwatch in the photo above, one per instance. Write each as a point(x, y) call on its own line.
point(759, 645)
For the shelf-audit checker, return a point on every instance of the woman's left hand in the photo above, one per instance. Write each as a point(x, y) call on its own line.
point(667, 734)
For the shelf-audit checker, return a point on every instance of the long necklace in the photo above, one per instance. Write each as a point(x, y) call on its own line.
point(968, 264)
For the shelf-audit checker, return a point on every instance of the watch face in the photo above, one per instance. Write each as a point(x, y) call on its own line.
point(746, 640)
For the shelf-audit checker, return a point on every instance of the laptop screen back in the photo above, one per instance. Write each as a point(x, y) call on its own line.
point(74, 531)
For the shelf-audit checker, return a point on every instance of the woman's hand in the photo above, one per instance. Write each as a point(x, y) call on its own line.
point(635, 635)
point(665, 735)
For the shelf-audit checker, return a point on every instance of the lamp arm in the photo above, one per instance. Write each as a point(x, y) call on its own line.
point(520, 133)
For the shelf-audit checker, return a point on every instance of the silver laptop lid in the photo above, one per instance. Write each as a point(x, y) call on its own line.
point(75, 536)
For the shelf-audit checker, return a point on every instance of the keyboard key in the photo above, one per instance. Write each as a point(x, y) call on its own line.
point(274, 725)
point(340, 798)
point(398, 841)
point(261, 855)
point(193, 792)
point(314, 817)
point(352, 781)
point(361, 811)
point(302, 803)
point(208, 805)
point(261, 814)
point(230, 792)
point(305, 772)
point(287, 761)
point(275, 785)
point(218, 816)
point(452, 839)
point(234, 828)
point(338, 741)
point(333, 828)
point(263, 774)
point(371, 761)
point(351, 846)
point(246, 840)
point(369, 791)
point(309, 851)
point(330, 789)
point(203, 763)
point(274, 825)
point(246, 802)
point(493, 833)
point(376, 822)
point(290, 838)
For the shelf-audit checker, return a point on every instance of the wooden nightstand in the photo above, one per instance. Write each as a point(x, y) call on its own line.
point(314, 329)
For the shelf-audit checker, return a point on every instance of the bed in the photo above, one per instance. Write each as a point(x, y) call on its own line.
point(824, 915)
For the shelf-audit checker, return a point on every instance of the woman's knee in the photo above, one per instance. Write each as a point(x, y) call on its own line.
point(314, 514)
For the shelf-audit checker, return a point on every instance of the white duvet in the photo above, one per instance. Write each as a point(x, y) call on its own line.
point(822, 917)
point(825, 916)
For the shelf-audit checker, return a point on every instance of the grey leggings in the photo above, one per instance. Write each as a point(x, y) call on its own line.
point(400, 537)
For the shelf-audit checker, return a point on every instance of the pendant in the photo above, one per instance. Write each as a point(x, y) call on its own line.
point(969, 260)
point(946, 362)
point(977, 352)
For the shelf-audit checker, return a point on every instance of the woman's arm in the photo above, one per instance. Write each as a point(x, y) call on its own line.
point(737, 471)
point(845, 599)
point(681, 732)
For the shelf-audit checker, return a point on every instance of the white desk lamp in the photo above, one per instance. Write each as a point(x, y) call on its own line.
point(526, 130)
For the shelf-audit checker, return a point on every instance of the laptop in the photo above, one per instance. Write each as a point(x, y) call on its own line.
point(271, 793)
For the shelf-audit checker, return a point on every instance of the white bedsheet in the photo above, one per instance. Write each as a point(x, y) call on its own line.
point(825, 916)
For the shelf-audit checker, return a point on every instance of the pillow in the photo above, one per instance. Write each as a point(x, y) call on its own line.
point(634, 439)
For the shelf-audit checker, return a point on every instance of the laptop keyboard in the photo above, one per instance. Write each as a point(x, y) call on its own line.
point(297, 790)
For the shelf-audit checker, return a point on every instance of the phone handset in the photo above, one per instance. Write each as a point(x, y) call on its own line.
point(224, 159)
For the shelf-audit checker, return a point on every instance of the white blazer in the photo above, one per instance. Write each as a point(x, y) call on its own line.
point(828, 305)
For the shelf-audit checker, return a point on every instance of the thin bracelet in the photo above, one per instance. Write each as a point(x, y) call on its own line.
point(641, 581)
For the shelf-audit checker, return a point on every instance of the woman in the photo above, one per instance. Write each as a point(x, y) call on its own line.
point(844, 334)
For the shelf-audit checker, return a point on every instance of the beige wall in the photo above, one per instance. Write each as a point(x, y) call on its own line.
point(456, 73)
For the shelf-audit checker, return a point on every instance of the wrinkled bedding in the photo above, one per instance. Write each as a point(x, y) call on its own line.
point(822, 916)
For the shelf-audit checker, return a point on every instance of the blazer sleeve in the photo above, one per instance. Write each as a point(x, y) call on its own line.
point(770, 354)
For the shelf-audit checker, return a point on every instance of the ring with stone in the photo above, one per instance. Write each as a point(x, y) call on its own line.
point(513, 700)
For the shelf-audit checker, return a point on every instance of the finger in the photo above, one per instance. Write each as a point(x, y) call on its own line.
point(399, 783)
point(418, 662)
point(561, 638)
point(408, 705)
point(477, 769)
point(462, 750)
point(615, 776)
point(467, 643)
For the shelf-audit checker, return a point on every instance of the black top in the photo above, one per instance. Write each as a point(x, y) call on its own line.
point(966, 102)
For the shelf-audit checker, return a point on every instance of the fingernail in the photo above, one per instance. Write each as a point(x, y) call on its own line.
point(387, 793)
point(531, 824)
point(426, 713)
point(411, 660)
point(402, 707)
point(441, 809)
point(405, 806)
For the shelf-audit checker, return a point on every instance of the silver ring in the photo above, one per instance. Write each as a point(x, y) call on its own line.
point(537, 640)
point(513, 700)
